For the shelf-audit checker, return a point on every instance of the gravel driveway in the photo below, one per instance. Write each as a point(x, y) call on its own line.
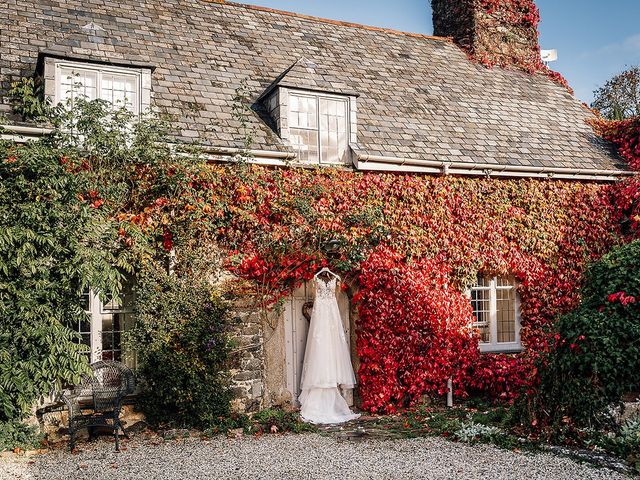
point(307, 456)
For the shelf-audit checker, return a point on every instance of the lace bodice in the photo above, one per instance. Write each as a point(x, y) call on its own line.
point(326, 290)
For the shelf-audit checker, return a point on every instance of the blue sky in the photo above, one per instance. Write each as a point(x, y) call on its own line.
point(595, 39)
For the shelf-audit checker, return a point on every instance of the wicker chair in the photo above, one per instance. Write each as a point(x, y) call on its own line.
point(97, 401)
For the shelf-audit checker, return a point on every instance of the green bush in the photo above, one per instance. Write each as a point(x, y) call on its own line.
point(15, 434)
point(597, 354)
point(182, 345)
point(64, 203)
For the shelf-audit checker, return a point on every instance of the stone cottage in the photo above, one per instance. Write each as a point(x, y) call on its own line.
point(323, 92)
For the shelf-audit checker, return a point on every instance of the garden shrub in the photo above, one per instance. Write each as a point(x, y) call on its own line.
point(596, 358)
point(64, 227)
point(15, 434)
point(182, 345)
point(471, 432)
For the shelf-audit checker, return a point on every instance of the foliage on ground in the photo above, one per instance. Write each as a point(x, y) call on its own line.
point(277, 420)
point(625, 443)
point(266, 421)
point(472, 422)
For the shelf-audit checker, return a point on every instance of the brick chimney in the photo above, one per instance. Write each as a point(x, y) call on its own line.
point(493, 32)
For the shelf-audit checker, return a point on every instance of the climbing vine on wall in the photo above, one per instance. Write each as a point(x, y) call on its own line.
point(410, 245)
point(520, 15)
point(625, 136)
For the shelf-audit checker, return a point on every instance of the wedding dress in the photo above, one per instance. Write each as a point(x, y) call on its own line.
point(327, 362)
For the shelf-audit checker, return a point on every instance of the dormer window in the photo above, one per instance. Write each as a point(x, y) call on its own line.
point(319, 127)
point(119, 87)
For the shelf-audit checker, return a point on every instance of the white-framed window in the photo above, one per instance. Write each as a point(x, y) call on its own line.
point(496, 309)
point(104, 326)
point(319, 127)
point(118, 86)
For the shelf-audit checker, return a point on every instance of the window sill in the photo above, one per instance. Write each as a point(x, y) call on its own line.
point(501, 348)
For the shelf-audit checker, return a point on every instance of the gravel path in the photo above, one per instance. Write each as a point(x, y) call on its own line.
point(308, 456)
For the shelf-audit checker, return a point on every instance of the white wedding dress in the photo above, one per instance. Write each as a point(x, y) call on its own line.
point(327, 362)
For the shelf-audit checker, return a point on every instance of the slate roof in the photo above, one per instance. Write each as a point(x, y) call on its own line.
point(307, 75)
point(419, 97)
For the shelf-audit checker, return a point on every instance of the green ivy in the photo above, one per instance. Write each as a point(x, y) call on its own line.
point(62, 230)
point(28, 100)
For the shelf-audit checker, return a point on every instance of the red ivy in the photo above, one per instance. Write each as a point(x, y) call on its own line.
point(625, 195)
point(625, 135)
point(522, 14)
point(414, 332)
point(409, 246)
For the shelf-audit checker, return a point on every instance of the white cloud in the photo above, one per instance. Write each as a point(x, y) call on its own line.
point(630, 45)
point(632, 42)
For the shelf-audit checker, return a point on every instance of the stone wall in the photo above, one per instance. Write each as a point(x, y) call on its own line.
point(247, 374)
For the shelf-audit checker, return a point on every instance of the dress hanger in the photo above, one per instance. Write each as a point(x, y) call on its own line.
point(326, 270)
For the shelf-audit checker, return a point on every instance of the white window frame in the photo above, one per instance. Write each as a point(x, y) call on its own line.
point(493, 346)
point(100, 70)
point(348, 113)
point(97, 310)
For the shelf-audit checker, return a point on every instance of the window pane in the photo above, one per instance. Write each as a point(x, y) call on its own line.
point(303, 123)
point(481, 304)
point(112, 327)
point(84, 300)
point(78, 83)
point(333, 130)
point(120, 90)
point(306, 144)
point(506, 312)
point(83, 327)
point(112, 303)
point(303, 112)
point(506, 282)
